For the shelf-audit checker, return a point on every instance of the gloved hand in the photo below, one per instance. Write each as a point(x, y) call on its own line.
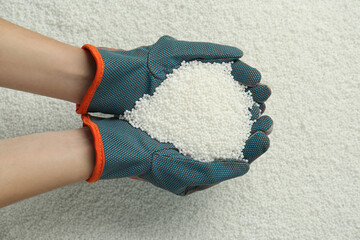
point(124, 151)
point(123, 77)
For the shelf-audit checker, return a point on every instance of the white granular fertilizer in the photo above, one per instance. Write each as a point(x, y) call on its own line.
point(199, 108)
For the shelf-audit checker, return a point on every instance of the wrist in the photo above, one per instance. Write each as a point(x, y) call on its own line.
point(80, 143)
point(97, 65)
point(34, 164)
point(81, 69)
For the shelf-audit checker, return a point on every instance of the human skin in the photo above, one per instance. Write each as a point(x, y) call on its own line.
point(34, 164)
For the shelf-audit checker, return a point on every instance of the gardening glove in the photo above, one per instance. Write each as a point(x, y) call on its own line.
point(124, 151)
point(123, 77)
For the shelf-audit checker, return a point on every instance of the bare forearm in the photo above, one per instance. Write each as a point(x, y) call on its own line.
point(34, 63)
point(38, 163)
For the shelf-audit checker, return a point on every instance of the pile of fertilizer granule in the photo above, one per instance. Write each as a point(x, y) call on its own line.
point(199, 108)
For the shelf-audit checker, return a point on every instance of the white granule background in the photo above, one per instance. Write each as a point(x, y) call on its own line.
point(306, 186)
point(199, 108)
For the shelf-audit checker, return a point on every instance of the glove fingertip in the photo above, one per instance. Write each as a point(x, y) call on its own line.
point(264, 124)
point(255, 146)
point(245, 74)
point(255, 112)
point(260, 93)
point(262, 107)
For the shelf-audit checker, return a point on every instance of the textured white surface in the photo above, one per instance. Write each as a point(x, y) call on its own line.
point(199, 108)
point(305, 187)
